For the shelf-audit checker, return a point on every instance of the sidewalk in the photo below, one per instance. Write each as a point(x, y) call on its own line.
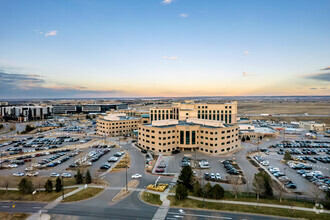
point(41, 214)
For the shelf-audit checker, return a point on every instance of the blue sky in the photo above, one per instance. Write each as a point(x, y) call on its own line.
point(77, 48)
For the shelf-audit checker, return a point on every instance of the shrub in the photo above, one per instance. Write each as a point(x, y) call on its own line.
point(197, 189)
point(48, 186)
point(217, 191)
point(79, 177)
point(181, 192)
point(25, 186)
point(88, 177)
point(58, 186)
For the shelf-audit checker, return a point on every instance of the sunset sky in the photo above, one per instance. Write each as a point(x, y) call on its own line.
point(109, 48)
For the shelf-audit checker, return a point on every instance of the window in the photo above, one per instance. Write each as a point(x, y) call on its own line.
point(187, 137)
point(181, 137)
point(193, 137)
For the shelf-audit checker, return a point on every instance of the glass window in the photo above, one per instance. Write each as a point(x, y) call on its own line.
point(187, 137)
point(181, 137)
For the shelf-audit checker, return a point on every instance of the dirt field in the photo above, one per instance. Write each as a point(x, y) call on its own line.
point(312, 108)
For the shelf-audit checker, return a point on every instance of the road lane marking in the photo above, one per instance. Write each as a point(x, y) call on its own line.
point(205, 216)
point(37, 207)
point(5, 206)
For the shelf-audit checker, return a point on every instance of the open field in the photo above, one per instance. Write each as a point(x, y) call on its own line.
point(189, 203)
point(151, 198)
point(290, 108)
point(83, 194)
point(39, 196)
point(16, 216)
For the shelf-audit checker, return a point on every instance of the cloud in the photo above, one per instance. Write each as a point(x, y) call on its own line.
point(51, 33)
point(33, 86)
point(246, 53)
point(326, 68)
point(184, 15)
point(170, 58)
point(167, 2)
point(247, 74)
point(320, 76)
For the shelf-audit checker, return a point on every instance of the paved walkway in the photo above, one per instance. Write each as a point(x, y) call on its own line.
point(41, 214)
point(163, 209)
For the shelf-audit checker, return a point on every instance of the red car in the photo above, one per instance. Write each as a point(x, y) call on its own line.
point(160, 170)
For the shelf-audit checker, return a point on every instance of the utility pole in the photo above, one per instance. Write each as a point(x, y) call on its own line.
point(126, 178)
point(62, 188)
point(203, 193)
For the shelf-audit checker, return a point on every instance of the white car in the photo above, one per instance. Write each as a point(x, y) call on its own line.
point(18, 174)
point(66, 175)
point(55, 175)
point(13, 165)
point(29, 169)
point(217, 176)
point(136, 176)
point(32, 174)
point(265, 163)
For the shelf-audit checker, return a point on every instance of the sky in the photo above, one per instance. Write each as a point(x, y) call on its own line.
point(152, 48)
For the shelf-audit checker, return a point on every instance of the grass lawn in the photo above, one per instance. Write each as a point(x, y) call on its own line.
point(83, 194)
point(39, 196)
point(245, 197)
point(16, 216)
point(189, 203)
point(151, 198)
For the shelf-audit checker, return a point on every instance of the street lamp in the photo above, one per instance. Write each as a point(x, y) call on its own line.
point(203, 192)
point(126, 178)
point(62, 188)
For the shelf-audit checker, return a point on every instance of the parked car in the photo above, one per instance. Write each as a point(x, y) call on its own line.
point(55, 175)
point(18, 174)
point(32, 174)
point(136, 176)
point(66, 175)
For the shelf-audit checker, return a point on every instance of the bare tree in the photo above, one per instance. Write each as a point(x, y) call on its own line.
point(316, 191)
point(280, 188)
point(258, 185)
point(236, 182)
point(5, 182)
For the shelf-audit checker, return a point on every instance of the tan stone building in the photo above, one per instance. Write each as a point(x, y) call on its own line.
point(225, 113)
point(207, 136)
point(312, 126)
point(118, 124)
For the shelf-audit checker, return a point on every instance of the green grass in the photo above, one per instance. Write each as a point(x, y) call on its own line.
point(189, 203)
point(83, 194)
point(151, 198)
point(16, 216)
point(246, 197)
point(41, 196)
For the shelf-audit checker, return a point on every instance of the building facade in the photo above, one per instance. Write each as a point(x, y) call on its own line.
point(118, 124)
point(207, 136)
point(25, 113)
point(225, 113)
point(312, 126)
point(90, 108)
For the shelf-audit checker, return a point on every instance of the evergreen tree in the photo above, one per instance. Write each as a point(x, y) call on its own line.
point(207, 190)
point(197, 189)
point(48, 186)
point(25, 186)
point(217, 191)
point(181, 192)
point(88, 177)
point(287, 156)
point(186, 177)
point(79, 177)
point(58, 186)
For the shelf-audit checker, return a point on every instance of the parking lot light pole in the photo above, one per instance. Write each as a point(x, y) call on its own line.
point(62, 188)
point(203, 192)
point(126, 178)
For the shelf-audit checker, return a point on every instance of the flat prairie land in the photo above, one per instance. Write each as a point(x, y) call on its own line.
point(290, 108)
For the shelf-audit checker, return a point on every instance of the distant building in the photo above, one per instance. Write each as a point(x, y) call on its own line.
point(312, 126)
point(25, 113)
point(88, 108)
point(253, 132)
point(225, 113)
point(207, 136)
point(117, 124)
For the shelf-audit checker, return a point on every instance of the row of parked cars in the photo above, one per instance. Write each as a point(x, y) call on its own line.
point(212, 176)
point(114, 158)
point(316, 177)
point(275, 171)
point(304, 144)
point(230, 169)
